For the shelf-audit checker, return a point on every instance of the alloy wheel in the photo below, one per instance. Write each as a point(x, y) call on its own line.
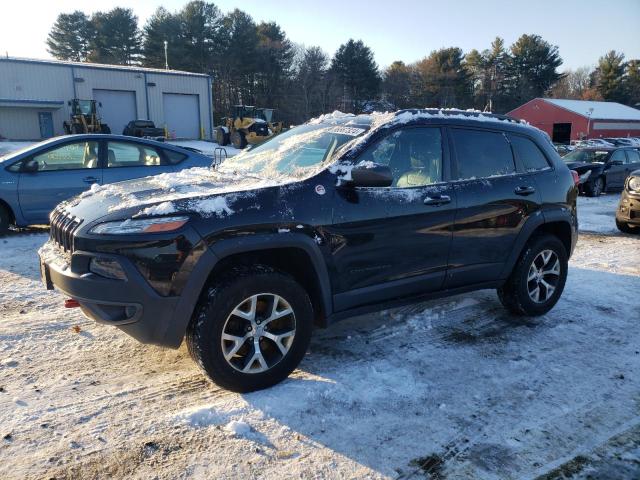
point(258, 333)
point(543, 276)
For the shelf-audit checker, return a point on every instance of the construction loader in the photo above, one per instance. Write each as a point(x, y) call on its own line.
point(84, 118)
point(247, 125)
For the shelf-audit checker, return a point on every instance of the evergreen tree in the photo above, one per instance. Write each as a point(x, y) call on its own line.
point(443, 81)
point(311, 81)
point(632, 83)
point(609, 77)
point(532, 69)
point(396, 84)
point(201, 31)
point(164, 26)
point(116, 39)
point(275, 56)
point(355, 74)
point(69, 37)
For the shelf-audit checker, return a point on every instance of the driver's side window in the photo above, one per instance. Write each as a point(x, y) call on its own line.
point(72, 156)
point(414, 156)
point(618, 156)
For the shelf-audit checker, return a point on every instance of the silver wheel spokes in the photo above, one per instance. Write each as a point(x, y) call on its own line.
point(543, 276)
point(258, 333)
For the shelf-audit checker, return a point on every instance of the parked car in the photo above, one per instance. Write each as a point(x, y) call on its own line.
point(142, 128)
point(628, 213)
point(563, 149)
point(338, 217)
point(34, 180)
point(602, 169)
point(623, 141)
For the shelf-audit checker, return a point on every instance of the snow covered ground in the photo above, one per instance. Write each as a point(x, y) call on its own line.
point(452, 388)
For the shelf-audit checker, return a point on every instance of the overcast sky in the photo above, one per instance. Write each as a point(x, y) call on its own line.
point(396, 30)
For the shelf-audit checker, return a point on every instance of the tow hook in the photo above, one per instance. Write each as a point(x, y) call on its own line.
point(71, 303)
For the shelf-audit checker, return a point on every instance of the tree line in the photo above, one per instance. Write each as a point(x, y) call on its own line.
point(256, 63)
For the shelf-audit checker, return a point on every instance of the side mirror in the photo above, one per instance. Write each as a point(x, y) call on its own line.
point(370, 174)
point(30, 166)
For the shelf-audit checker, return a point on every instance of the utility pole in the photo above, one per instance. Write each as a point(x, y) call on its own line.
point(166, 57)
point(590, 111)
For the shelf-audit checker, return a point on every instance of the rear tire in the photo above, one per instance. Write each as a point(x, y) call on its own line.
point(104, 128)
point(518, 294)
point(258, 349)
point(595, 188)
point(626, 228)
point(5, 220)
point(222, 138)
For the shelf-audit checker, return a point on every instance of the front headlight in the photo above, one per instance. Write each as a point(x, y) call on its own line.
point(634, 184)
point(146, 225)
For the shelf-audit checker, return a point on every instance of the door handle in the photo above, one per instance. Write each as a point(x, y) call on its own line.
point(524, 190)
point(437, 200)
point(90, 180)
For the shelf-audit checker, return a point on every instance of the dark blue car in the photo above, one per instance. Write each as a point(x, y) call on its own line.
point(34, 180)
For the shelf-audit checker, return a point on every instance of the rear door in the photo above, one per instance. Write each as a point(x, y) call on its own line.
point(494, 200)
point(126, 160)
point(390, 242)
point(63, 171)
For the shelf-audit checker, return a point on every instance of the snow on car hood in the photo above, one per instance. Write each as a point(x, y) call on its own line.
point(202, 190)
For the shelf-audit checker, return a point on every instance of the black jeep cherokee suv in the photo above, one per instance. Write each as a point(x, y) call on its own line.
point(340, 216)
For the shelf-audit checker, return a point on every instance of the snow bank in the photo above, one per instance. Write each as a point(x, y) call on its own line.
point(238, 428)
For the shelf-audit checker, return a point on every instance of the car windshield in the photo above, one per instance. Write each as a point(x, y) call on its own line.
point(587, 156)
point(297, 153)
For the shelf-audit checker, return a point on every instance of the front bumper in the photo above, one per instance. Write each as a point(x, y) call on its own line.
point(131, 305)
point(628, 209)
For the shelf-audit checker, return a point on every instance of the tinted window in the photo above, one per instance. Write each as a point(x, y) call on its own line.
point(482, 154)
point(174, 157)
point(414, 156)
point(124, 154)
point(618, 156)
point(529, 154)
point(633, 156)
point(68, 157)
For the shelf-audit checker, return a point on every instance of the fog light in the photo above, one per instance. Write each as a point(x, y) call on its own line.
point(107, 267)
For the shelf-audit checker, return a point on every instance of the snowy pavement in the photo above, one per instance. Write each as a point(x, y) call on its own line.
point(453, 388)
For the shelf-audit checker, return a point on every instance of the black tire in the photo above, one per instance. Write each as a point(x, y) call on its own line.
point(222, 138)
point(104, 128)
point(238, 139)
point(5, 220)
point(594, 188)
point(626, 228)
point(66, 128)
point(514, 294)
point(204, 334)
point(76, 128)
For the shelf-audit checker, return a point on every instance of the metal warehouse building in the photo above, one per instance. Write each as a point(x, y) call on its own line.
point(566, 120)
point(34, 96)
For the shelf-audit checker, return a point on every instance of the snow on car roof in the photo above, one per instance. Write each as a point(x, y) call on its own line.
point(601, 110)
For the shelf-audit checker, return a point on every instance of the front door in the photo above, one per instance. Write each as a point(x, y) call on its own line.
point(128, 160)
point(615, 170)
point(390, 242)
point(632, 163)
point(493, 203)
point(62, 172)
point(45, 120)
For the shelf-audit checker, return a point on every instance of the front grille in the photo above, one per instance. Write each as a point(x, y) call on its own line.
point(63, 226)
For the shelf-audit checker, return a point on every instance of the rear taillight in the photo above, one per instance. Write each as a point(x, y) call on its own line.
point(576, 177)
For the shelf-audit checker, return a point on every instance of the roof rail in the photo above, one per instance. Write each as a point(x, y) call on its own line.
point(456, 111)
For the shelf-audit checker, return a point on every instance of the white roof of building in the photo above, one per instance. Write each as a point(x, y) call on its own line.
point(601, 110)
point(133, 68)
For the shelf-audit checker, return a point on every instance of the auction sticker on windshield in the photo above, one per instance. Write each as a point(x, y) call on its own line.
point(351, 131)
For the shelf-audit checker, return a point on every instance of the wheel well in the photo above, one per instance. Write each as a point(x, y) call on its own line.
point(294, 261)
point(4, 205)
point(562, 230)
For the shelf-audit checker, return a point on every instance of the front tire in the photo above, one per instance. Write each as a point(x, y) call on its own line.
point(238, 140)
point(251, 329)
point(222, 137)
point(595, 188)
point(538, 279)
point(5, 220)
point(626, 228)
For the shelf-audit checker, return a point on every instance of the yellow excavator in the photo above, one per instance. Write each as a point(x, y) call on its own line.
point(247, 125)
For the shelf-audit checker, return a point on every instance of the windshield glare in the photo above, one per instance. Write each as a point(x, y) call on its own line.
point(298, 153)
point(587, 156)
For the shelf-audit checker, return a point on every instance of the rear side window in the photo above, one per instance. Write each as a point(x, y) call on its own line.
point(633, 156)
point(482, 154)
point(174, 157)
point(529, 154)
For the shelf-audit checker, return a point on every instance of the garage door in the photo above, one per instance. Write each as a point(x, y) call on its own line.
point(118, 108)
point(182, 114)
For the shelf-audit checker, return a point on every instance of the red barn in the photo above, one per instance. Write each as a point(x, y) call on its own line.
point(566, 120)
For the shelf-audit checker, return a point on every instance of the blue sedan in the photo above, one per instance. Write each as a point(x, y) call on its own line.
point(34, 180)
